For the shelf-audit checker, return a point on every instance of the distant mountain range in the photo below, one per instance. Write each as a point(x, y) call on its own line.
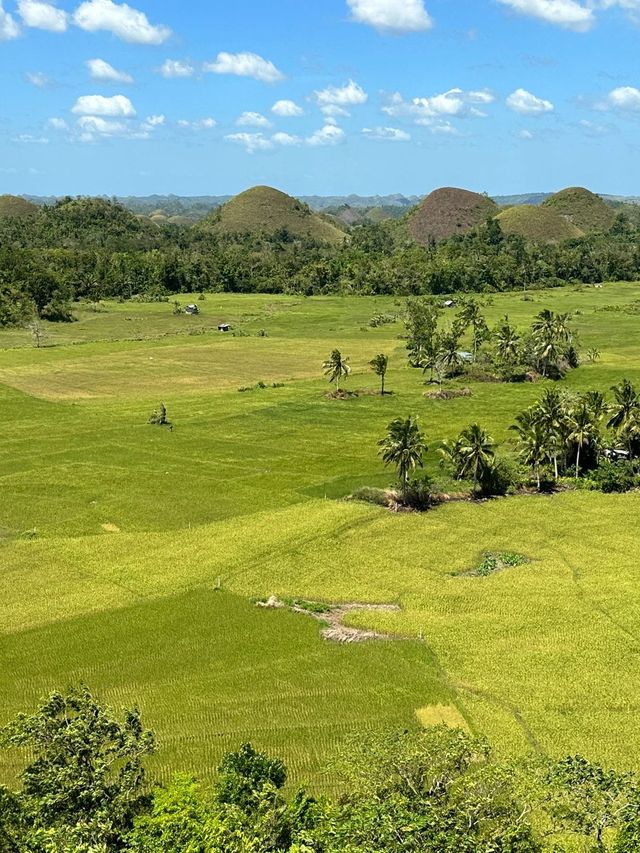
point(196, 207)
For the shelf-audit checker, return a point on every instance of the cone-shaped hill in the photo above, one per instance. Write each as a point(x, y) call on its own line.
point(539, 224)
point(266, 211)
point(447, 212)
point(16, 208)
point(582, 208)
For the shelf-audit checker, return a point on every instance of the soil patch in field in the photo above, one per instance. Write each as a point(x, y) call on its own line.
point(332, 616)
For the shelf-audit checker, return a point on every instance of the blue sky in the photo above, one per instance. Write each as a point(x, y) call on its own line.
point(318, 96)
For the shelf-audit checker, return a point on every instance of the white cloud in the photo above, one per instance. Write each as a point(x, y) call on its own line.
point(37, 78)
point(456, 103)
point(57, 124)
point(154, 121)
point(286, 139)
point(332, 112)
point(249, 119)
point(632, 7)
point(624, 98)
point(42, 16)
point(102, 126)
point(200, 124)
point(251, 142)
point(120, 19)
point(101, 70)
point(387, 134)
point(525, 134)
point(28, 139)
point(563, 13)
point(524, 102)
point(349, 95)
point(8, 27)
point(394, 16)
point(287, 109)
point(245, 65)
point(330, 134)
point(98, 105)
point(177, 68)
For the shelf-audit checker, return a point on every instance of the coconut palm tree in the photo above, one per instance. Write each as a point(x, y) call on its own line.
point(470, 316)
point(403, 446)
point(380, 365)
point(448, 357)
point(336, 367)
point(507, 342)
point(625, 413)
point(551, 413)
point(476, 453)
point(533, 446)
point(582, 430)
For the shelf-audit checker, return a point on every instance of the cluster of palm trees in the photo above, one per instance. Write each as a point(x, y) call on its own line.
point(547, 348)
point(562, 432)
point(558, 434)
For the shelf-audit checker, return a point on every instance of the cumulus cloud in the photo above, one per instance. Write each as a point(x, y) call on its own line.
point(8, 27)
point(57, 124)
point(569, 14)
point(101, 70)
point(349, 95)
point(249, 119)
point(387, 134)
point(330, 134)
point(287, 109)
point(98, 105)
point(126, 23)
point(631, 7)
point(245, 65)
point(42, 16)
point(28, 139)
point(525, 134)
point(177, 68)
point(200, 124)
point(624, 98)
point(455, 103)
point(394, 16)
point(154, 121)
point(102, 126)
point(525, 103)
point(251, 142)
point(285, 139)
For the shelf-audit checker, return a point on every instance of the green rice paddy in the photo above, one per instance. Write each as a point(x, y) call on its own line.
point(130, 555)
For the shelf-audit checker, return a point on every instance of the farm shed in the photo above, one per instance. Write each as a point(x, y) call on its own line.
point(223, 327)
point(192, 309)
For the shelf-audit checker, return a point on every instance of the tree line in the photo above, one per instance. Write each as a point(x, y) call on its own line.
point(84, 789)
point(95, 249)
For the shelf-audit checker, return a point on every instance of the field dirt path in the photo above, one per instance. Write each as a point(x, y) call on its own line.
point(333, 619)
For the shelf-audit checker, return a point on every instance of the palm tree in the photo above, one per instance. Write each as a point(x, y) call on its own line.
point(507, 341)
point(476, 452)
point(403, 446)
point(551, 414)
point(380, 365)
point(625, 417)
point(471, 316)
point(448, 357)
point(583, 430)
point(533, 445)
point(336, 367)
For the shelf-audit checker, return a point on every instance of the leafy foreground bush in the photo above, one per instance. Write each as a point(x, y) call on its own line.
point(614, 477)
point(437, 790)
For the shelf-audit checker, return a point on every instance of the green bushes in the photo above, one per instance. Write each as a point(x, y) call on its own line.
point(613, 477)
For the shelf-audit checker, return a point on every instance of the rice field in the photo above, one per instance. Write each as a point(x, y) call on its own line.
point(130, 555)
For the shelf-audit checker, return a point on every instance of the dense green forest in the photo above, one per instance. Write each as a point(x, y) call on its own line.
point(93, 249)
point(441, 789)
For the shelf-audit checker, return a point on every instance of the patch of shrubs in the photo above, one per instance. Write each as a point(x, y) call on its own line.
point(492, 563)
point(260, 386)
point(370, 495)
point(613, 478)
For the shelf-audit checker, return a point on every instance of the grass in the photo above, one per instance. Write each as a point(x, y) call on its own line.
point(115, 536)
point(582, 208)
point(542, 224)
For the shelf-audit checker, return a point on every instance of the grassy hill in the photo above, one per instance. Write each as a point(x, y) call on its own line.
point(15, 207)
point(582, 208)
point(447, 212)
point(264, 210)
point(540, 224)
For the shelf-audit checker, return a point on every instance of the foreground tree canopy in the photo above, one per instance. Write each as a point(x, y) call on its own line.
point(439, 789)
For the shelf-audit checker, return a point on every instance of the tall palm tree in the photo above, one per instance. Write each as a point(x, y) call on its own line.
point(471, 316)
point(507, 342)
point(625, 413)
point(336, 367)
point(476, 452)
point(403, 446)
point(380, 364)
point(448, 357)
point(552, 415)
point(551, 335)
point(533, 446)
point(582, 430)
